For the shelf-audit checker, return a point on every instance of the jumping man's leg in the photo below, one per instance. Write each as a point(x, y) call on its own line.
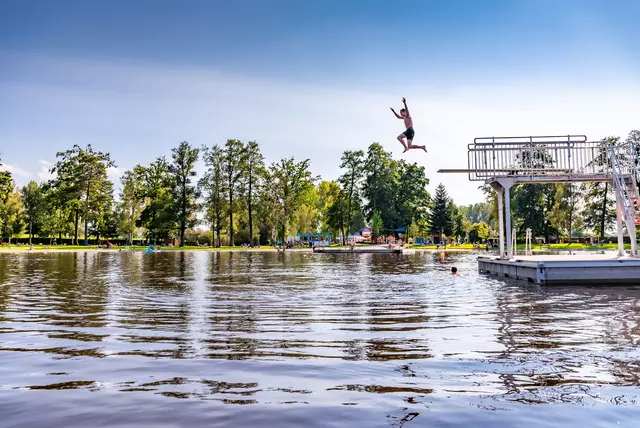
point(401, 138)
point(411, 146)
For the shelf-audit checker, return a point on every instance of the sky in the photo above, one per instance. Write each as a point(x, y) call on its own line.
point(310, 79)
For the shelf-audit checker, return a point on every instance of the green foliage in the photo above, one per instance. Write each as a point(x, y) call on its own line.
point(254, 180)
point(377, 225)
point(131, 202)
point(287, 182)
point(184, 191)
point(441, 219)
point(233, 169)
point(479, 232)
point(212, 186)
point(33, 199)
point(82, 181)
point(380, 184)
point(158, 216)
point(353, 164)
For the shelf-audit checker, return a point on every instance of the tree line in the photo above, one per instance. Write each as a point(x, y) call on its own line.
point(240, 199)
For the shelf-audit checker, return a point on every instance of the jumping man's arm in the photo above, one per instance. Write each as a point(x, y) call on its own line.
point(404, 101)
point(394, 112)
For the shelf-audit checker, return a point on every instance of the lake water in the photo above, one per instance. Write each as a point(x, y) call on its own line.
point(271, 340)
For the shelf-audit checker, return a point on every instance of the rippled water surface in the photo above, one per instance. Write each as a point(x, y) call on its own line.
point(271, 340)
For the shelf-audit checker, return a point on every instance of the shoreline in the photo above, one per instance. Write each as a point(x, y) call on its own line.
point(25, 249)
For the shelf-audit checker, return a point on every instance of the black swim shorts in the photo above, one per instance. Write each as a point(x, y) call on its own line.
point(409, 133)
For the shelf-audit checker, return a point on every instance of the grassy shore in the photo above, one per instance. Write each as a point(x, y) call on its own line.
point(462, 247)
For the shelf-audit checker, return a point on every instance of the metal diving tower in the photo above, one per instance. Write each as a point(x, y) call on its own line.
point(505, 161)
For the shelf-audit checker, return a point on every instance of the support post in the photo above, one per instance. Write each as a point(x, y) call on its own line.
point(498, 188)
point(507, 209)
point(620, 232)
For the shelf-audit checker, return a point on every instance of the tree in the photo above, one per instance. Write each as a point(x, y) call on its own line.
point(328, 192)
point(233, 162)
point(352, 162)
point(599, 211)
point(11, 216)
point(212, 185)
point(566, 206)
point(411, 198)
point(380, 184)
point(131, 201)
point(288, 180)
point(440, 220)
point(82, 176)
point(377, 226)
point(461, 225)
point(35, 206)
point(158, 215)
point(254, 171)
point(185, 193)
point(479, 232)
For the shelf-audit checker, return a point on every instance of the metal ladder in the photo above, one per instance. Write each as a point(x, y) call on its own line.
point(626, 189)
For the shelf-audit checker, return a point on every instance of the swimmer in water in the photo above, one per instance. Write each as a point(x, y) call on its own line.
point(454, 271)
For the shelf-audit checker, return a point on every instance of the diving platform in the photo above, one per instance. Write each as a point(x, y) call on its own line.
point(565, 269)
point(503, 162)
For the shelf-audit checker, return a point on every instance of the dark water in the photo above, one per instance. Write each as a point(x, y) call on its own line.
point(262, 339)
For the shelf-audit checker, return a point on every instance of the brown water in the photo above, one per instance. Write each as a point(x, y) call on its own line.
point(272, 340)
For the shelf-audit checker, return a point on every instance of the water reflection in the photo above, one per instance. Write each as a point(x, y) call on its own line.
point(397, 336)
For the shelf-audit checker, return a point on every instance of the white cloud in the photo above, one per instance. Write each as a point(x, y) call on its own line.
point(114, 173)
point(17, 172)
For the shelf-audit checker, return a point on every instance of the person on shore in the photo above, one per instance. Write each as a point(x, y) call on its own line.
point(409, 133)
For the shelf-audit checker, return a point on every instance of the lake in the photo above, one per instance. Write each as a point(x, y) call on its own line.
point(244, 339)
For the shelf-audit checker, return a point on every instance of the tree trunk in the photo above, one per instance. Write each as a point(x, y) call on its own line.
point(250, 210)
point(30, 231)
point(86, 213)
point(75, 233)
point(604, 211)
point(230, 215)
point(183, 216)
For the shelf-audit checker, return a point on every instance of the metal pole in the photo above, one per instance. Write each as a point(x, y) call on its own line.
point(498, 188)
point(507, 206)
point(619, 214)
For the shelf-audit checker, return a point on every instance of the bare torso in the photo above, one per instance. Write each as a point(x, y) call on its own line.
point(408, 122)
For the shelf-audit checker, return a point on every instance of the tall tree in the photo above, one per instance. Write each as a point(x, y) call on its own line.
point(353, 163)
point(328, 193)
point(35, 207)
point(440, 220)
point(83, 174)
point(233, 165)
point(131, 201)
point(212, 185)
point(183, 169)
point(158, 215)
point(380, 185)
point(254, 171)
point(411, 201)
point(288, 180)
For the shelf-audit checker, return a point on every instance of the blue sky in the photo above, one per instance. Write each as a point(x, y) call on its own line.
point(310, 78)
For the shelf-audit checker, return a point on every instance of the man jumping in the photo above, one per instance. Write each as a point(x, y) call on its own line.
point(409, 133)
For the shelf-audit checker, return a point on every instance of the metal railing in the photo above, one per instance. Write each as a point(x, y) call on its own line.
point(570, 155)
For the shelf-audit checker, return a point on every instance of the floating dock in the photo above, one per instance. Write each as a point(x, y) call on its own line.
point(362, 250)
point(565, 269)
